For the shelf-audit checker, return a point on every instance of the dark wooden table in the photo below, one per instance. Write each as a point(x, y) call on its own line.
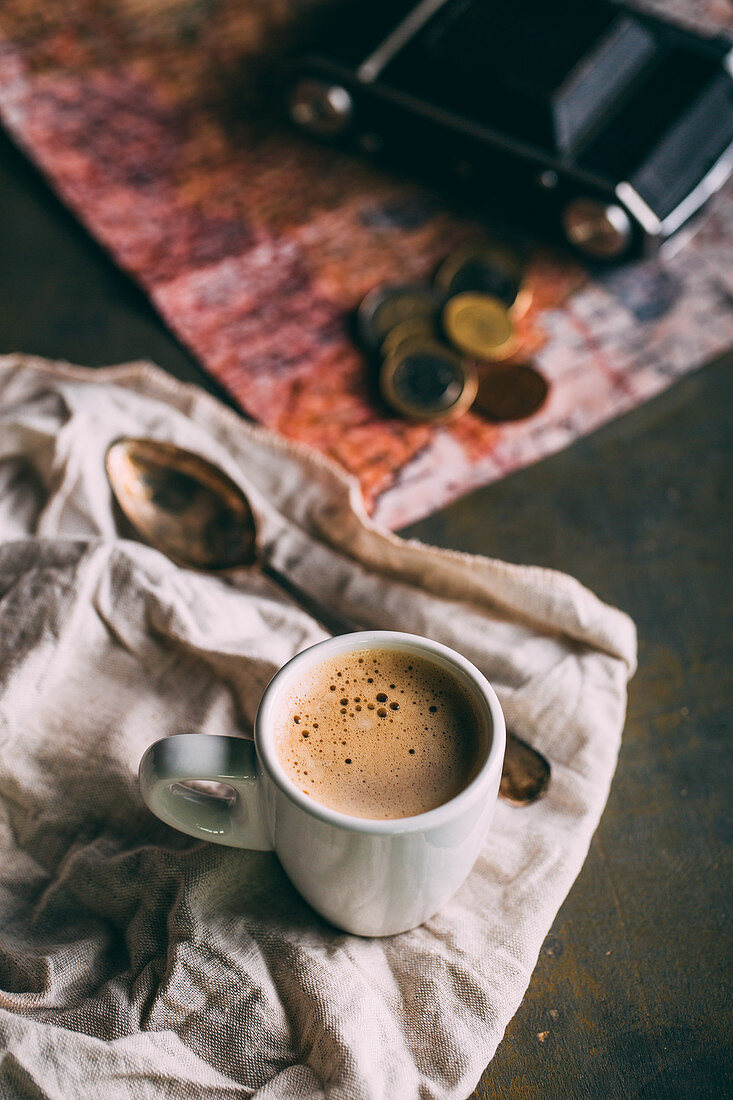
point(630, 996)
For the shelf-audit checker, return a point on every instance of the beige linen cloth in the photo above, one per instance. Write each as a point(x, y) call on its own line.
point(139, 963)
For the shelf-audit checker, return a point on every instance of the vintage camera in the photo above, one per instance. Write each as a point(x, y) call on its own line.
point(613, 126)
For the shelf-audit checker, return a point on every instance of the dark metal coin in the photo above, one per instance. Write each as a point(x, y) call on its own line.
point(511, 391)
point(494, 269)
point(427, 381)
point(385, 307)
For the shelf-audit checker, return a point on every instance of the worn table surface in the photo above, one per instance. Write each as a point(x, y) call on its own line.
point(630, 996)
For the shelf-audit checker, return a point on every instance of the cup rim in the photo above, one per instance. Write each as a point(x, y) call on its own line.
point(393, 639)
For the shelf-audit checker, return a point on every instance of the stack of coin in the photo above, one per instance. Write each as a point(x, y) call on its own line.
point(428, 339)
point(421, 378)
point(485, 295)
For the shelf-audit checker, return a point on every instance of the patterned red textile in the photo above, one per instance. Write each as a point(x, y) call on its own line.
point(256, 245)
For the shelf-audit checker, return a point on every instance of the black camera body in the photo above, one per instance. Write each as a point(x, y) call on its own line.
point(613, 125)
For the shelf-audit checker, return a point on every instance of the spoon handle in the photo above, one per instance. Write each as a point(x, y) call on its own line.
point(526, 772)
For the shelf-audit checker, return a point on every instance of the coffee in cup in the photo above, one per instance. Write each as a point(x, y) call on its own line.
point(378, 734)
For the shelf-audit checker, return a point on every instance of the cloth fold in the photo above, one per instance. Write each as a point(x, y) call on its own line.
point(135, 961)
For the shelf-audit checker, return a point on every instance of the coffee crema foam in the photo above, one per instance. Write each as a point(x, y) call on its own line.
point(378, 733)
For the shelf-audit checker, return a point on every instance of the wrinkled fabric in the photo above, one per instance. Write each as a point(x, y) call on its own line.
point(138, 962)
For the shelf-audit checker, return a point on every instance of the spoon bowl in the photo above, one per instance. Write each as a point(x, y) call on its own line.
point(182, 504)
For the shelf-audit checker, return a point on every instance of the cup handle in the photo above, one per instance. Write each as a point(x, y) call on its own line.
point(237, 821)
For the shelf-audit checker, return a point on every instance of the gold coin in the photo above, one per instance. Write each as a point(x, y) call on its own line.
point(427, 381)
point(423, 328)
point(480, 325)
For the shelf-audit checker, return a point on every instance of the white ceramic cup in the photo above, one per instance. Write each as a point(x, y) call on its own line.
point(372, 878)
